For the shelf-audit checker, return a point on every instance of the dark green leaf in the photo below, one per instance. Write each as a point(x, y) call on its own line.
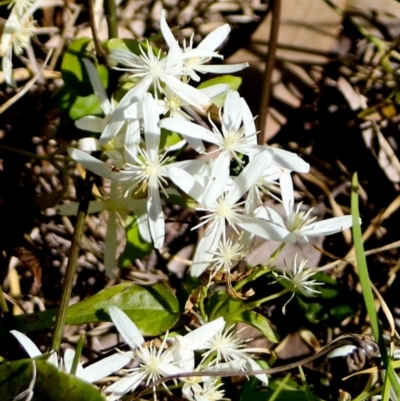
point(154, 309)
point(50, 383)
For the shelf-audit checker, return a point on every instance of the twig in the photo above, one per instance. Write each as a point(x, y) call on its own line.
point(25, 89)
point(72, 263)
point(269, 68)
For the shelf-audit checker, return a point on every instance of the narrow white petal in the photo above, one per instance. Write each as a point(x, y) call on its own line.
point(215, 90)
point(221, 69)
point(265, 229)
point(156, 216)
point(151, 128)
point(123, 386)
point(111, 243)
point(248, 123)
point(29, 346)
point(328, 227)
point(215, 38)
point(287, 193)
point(68, 359)
point(105, 367)
point(186, 182)
point(218, 180)
point(251, 364)
point(96, 166)
point(91, 123)
point(342, 351)
point(188, 129)
point(232, 117)
point(196, 339)
point(97, 86)
point(205, 250)
point(166, 31)
point(289, 160)
point(88, 144)
point(267, 213)
point(249, 176)
point(188, 93)
point(128, 330)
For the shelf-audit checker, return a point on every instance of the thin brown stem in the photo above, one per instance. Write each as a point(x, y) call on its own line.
point(269, 68)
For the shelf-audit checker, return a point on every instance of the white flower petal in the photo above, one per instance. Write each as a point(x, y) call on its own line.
point(221, 69)
point(207, 245)
point(328, 227)
point(218, 180)
point(91, 123)
point(264, 229)
point(128, 330)
point(251, 364)
point(289, 160)
point(249, 176)
point(166, 31)
point(197, 339)
point(188, 93)
point(215, 38)
point(89, 144)
point(286, 184)
point(342, 351)
point(68, 359)
point(90, 163)
point(97, 86)
point(186, 182)
point(188, 129)
point(29, 346)
point(156, 216)
point(123, 386)
point(108, 365)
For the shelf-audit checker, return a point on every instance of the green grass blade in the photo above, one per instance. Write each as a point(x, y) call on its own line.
point(366, 288)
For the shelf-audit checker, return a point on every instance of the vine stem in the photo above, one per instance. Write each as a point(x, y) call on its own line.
point(72, 263)
point(269, 68)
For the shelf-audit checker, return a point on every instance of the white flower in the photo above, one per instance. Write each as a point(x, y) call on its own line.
point(300, 279)
point(297, 224)
point(92, 373)
point(158, 70)
point(237, 137)
point(154, 363)
point(224, 207)
point(194, 59)
point(226, 346)
point(114, 119)
point(151, 170)
point(16, 36)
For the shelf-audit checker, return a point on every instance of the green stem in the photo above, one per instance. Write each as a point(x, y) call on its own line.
point(256, 304)
point(72, 263)
point(111, 16)
point(366, 288)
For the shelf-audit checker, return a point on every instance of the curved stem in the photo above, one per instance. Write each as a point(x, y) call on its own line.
point(255, 304)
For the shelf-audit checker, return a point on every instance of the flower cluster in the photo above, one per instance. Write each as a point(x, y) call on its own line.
point(220, 348)
point(17, 33)
point(162, 102)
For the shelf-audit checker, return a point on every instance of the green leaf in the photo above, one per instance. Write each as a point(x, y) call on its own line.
point(154, 309)
point(221, 304)
point(85, 106)
point(255, 320)
point(73, 70)
point(136, 247)
point(50, 383)
point(233, 82)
